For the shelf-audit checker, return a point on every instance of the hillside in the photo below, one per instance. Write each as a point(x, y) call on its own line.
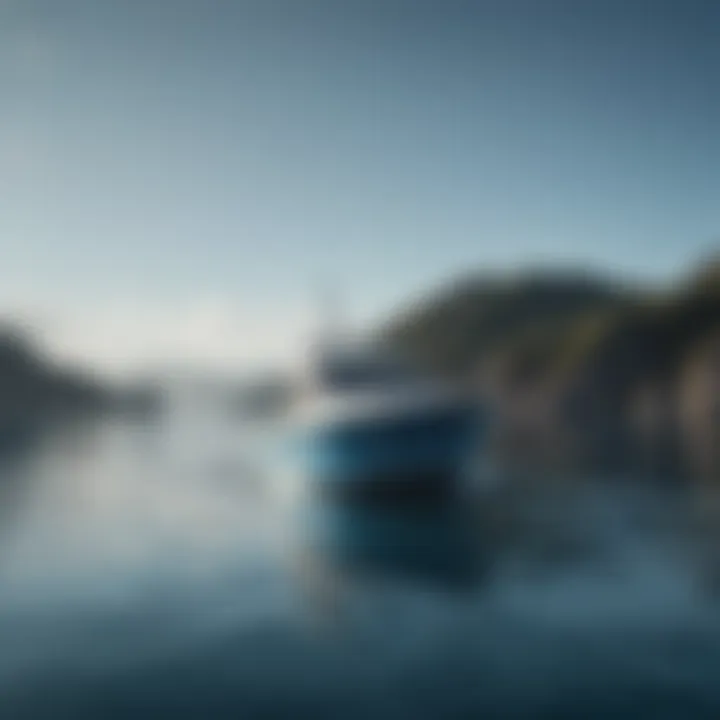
point(583, 369)
point(36, 391)
point(456, 327)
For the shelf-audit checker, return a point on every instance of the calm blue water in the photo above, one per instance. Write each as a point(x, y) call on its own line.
point(146, 573)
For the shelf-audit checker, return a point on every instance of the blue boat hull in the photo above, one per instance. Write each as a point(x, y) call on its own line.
point(404, 456)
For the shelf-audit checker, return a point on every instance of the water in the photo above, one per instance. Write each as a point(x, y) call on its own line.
point(146, 572)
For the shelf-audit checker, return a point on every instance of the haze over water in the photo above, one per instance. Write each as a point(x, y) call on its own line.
point(146, 571)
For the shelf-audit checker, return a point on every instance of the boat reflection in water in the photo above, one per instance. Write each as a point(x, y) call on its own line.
point(441, 547)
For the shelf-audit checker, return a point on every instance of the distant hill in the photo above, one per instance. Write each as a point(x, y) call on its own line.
point(455, 328)
point(35, 390)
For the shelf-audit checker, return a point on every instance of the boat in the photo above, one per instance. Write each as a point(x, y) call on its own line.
point(371, 428)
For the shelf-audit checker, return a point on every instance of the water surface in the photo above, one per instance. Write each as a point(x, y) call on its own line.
point(146, 572)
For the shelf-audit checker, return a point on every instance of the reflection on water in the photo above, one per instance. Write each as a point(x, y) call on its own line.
point(428, 546)
point(145, 574)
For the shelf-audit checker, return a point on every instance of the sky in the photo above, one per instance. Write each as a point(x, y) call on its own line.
point(178, 177)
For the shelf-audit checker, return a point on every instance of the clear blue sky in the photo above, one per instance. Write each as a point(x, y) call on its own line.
point(176, 175)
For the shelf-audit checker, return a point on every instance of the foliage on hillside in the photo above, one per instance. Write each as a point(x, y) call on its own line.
point(453, 330)
point(557, 321)
point(591, 346)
